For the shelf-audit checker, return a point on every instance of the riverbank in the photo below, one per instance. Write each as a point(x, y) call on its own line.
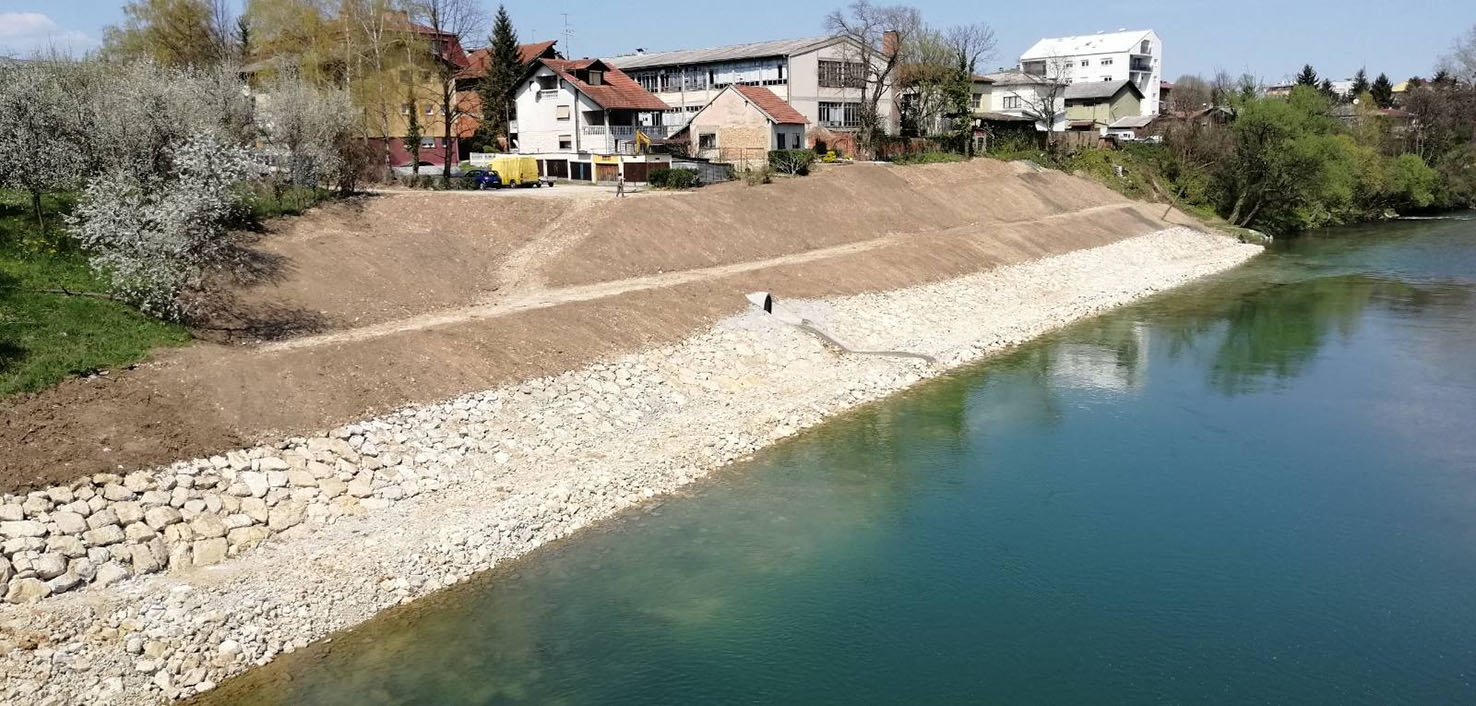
point(427, 496)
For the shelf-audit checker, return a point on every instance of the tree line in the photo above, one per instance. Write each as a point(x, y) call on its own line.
point(1316, 157)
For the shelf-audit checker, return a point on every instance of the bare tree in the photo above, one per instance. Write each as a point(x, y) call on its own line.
point(1460, 62)
point(1045, 99)
point(449, 21)
point(877, 37)
point(972, 43)
point(1191, 93)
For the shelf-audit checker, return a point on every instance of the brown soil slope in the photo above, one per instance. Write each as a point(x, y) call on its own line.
point(209, 398)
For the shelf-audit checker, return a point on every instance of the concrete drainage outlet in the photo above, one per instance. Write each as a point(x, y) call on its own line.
point(765, 301)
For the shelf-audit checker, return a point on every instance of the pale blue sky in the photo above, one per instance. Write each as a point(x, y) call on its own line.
point(1269, 39)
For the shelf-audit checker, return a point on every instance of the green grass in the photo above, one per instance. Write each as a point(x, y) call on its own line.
point(264, 202)
point(48, 338)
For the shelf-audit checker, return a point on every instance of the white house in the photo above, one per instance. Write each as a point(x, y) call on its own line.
point(819, 76)
point(582, 120)
point(1135, 55)
point(1015, 94)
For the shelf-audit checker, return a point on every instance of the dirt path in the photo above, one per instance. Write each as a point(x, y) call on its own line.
point(501, 315)
point(526, 292)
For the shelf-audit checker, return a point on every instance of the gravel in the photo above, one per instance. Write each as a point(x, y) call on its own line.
point(155, 585)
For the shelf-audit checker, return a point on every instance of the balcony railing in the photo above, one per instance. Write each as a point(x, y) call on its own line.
point(625, 132)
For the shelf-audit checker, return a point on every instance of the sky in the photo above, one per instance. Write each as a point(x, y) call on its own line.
point(1271, 40)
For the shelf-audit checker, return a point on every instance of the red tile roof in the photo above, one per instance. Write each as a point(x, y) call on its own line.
point(616, 91)
point(477, 59)
point(777, 110)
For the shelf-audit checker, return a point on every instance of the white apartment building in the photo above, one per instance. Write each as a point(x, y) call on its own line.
point(1125, 55)
point(818, 76)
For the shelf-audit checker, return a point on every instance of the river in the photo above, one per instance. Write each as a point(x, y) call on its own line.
point(1260, 488)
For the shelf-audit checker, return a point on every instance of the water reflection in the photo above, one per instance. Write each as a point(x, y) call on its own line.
point(1081, 520)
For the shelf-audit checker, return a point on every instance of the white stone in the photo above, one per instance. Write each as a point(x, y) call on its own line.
point(69, 522)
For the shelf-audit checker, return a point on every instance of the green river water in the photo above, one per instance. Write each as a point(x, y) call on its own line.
point(1257, 489)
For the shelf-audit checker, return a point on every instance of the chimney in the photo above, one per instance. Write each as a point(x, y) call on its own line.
point(890, 40)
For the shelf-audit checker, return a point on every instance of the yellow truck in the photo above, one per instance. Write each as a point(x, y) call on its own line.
point(518, 171)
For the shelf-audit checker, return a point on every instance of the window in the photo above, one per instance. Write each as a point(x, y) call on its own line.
point(1086, 62)
point(404, 109)
point(596, 77)
point(1144, 48)
point(840, 114)
point(562, 112)
point(430, 109)
point(566, 142)
point(706, 141)
point(1013, 103)
point(547, 83)
point(1106, 78)
point(427, 142)
point(1107, 62)
point(841, 74)
point(799, 141)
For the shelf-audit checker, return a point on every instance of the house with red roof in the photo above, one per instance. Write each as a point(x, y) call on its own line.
point(469, 80)
point(586, 120)
point(742, 124)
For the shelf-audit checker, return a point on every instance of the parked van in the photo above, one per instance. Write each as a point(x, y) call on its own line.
point(518, 171)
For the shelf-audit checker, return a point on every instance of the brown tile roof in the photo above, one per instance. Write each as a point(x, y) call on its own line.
point(477, 59)
point(616, 91)
point(777, 110)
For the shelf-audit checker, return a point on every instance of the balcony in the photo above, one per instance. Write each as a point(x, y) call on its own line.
point(625, 132)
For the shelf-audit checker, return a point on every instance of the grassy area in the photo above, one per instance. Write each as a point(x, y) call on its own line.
point(1137, 172)
point(46, 338)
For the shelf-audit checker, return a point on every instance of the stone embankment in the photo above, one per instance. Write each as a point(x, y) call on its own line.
point(156, 585)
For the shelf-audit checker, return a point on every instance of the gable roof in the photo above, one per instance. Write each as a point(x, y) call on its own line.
point(478, 59)
point(756, 50)
point(1106, 43)
point(616, 90)
point(1095, 90)
point(770, 105)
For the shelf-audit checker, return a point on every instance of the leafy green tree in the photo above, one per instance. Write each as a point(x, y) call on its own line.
point(504, 68)
point(1308, 77)
point(1382, 91)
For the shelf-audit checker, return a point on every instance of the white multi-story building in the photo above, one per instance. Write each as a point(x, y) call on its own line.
point(1135, 56)
point(584, 120)
point(819, 76)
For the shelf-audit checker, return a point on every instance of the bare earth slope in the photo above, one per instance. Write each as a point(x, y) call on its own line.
point(426, 296)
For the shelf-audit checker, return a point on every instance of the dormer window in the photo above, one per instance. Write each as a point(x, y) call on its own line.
point(596, 77)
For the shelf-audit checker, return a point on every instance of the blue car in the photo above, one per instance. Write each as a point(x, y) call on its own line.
point(483, 179)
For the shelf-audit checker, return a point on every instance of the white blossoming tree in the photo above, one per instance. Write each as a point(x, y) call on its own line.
point(155, 235)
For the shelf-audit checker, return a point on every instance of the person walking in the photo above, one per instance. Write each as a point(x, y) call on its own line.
point(620, 186)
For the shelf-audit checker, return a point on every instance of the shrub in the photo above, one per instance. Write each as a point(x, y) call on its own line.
point(754, 177)
point(668, 178)
point(928, 158)
point(791, 161)
point(155, 235)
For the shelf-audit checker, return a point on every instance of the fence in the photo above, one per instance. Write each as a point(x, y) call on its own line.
point(707, 172)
